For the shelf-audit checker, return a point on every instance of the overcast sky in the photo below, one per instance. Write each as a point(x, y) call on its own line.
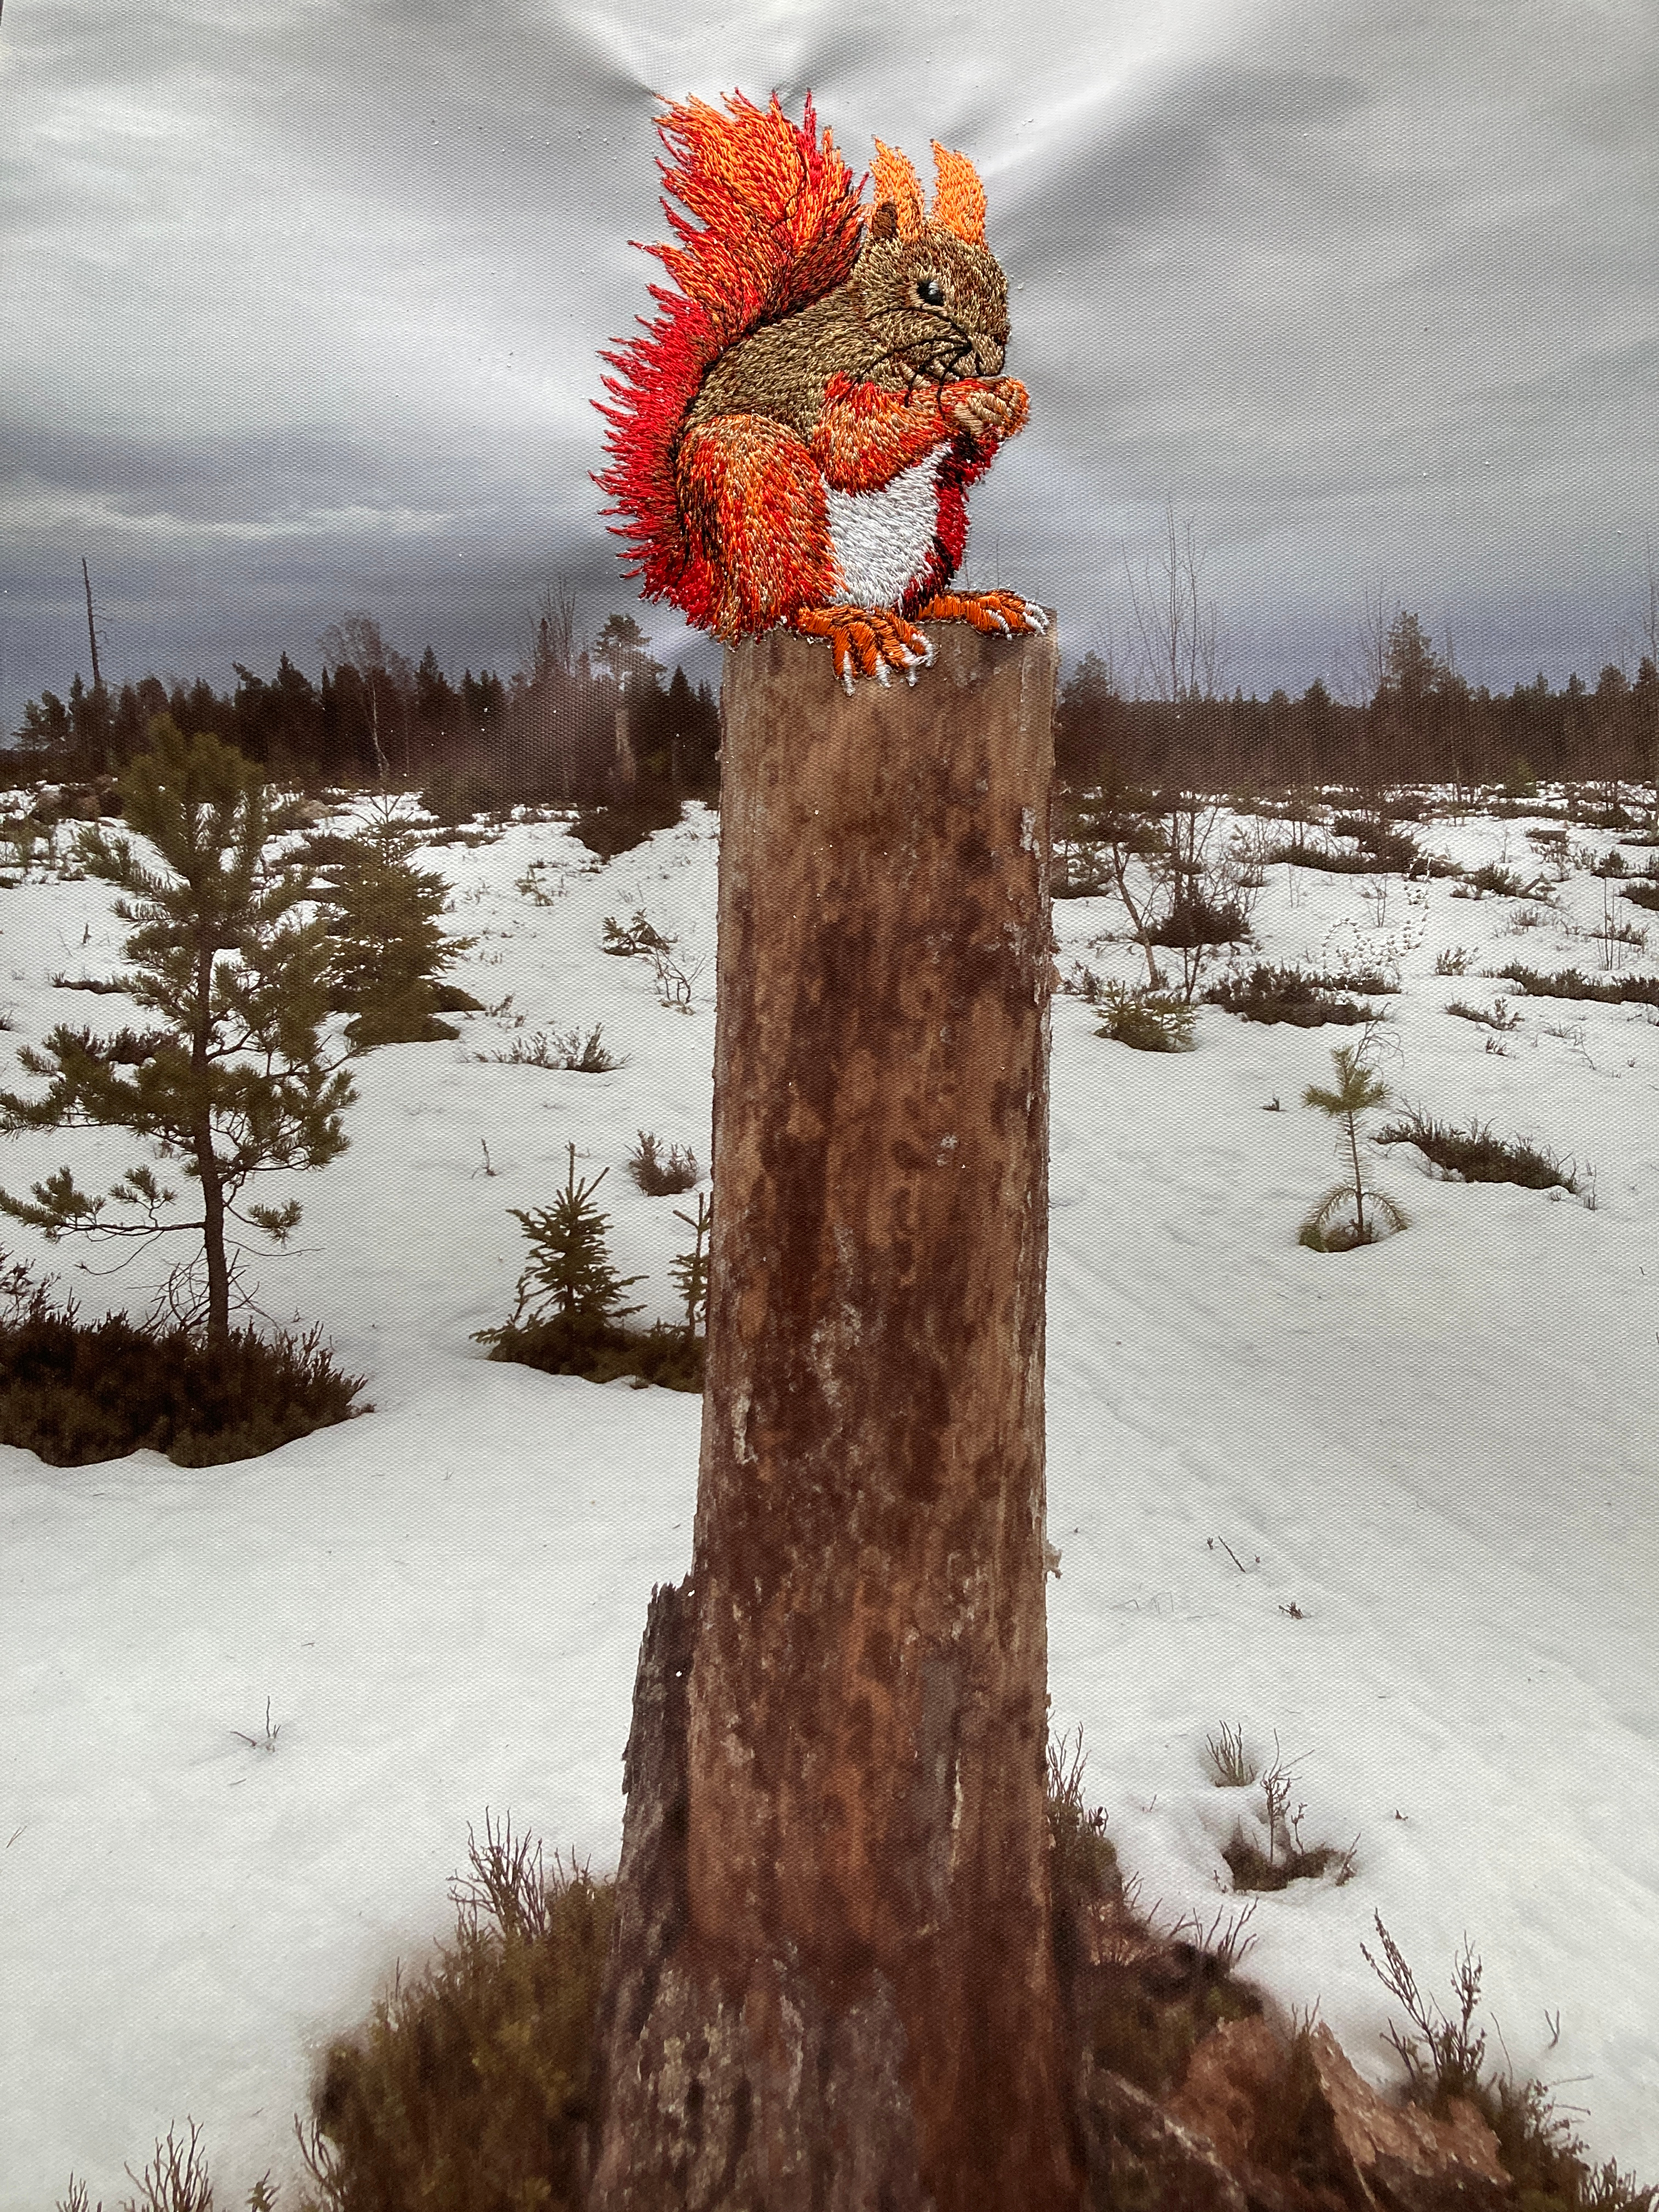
point(301, 303)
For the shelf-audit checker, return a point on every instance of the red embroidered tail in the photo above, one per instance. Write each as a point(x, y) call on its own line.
point(777, 226)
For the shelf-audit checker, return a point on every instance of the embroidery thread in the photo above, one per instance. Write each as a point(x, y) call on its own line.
point(793, 437)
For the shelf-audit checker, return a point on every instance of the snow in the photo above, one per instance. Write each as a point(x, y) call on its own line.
point(1393, 1511)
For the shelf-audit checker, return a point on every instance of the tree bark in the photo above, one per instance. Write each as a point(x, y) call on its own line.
point(832, 1986)
point(202, 1144)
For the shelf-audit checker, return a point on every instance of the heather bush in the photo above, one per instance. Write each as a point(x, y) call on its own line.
point(1444, 2056)
point(1283, 1857)
point(1570, 983)
point(77, 1393)
point(1275, 992)
point(565, 1050)
point(609, 831)
point(1384, 845)
point(659, 1175)
point(1476, 1156)
point(467, 2090)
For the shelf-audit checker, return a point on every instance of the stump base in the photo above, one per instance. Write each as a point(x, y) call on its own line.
point(706, 2075)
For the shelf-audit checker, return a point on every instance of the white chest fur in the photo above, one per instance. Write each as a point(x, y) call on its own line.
point(881, 538)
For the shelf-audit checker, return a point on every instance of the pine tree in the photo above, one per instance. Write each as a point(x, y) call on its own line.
point(236, 1078)
point(1357, 1089)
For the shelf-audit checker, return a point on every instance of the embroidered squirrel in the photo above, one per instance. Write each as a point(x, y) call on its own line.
point(794, 438)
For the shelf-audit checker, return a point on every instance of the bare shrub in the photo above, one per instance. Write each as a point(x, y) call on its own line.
point(659, 1177)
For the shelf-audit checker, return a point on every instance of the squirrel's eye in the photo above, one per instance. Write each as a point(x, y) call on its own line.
point(930, 291)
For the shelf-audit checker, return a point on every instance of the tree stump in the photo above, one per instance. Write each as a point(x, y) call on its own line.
point(832, 1986)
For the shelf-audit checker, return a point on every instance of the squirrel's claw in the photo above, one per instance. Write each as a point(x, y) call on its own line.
point(912, 662)
point(865, 641)
point(1003, 614)
point(875, 640)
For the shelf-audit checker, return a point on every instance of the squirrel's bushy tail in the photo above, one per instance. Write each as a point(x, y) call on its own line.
point(771, 223)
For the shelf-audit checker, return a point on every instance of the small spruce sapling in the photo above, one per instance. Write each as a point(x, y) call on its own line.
point(690, 1270)
point(1358, 1089)
point(389, 951)
point(569, 1279)
point(236, 1079)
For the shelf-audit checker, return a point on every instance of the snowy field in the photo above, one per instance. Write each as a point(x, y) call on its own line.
point(1394, 1510)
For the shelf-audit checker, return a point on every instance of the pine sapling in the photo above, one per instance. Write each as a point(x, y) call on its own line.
point(234, 1077)
point(1357, 1091)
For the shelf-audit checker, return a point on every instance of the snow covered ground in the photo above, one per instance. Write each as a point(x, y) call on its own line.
point(1394, 1510)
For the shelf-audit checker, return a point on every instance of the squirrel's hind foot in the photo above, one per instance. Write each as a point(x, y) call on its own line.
point(865, 641)
point(1004, 614)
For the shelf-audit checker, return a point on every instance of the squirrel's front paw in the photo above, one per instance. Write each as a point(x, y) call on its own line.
point(988, 410)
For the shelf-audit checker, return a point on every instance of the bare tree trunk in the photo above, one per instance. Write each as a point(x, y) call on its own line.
point(92, 632)
point(213, 1232)
point(832, 1985)
point(202, 1146)
point(1119, 865)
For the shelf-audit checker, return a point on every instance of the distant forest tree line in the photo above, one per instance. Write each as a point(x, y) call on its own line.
point(571, 724)
point(1416, 721)
point(584, 725)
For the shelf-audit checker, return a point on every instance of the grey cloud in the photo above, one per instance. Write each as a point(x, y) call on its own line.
point(315, 297)
point(168, 476)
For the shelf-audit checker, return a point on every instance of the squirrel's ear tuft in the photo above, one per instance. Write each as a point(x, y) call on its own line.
point(896, 182)
point(958, 196)
point(884, 220)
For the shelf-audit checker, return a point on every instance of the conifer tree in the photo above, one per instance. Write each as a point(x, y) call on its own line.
point(1357, 1089)
point(689, 1272)
point(236, 1079)
point(568, 1277)
point(389, 951)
